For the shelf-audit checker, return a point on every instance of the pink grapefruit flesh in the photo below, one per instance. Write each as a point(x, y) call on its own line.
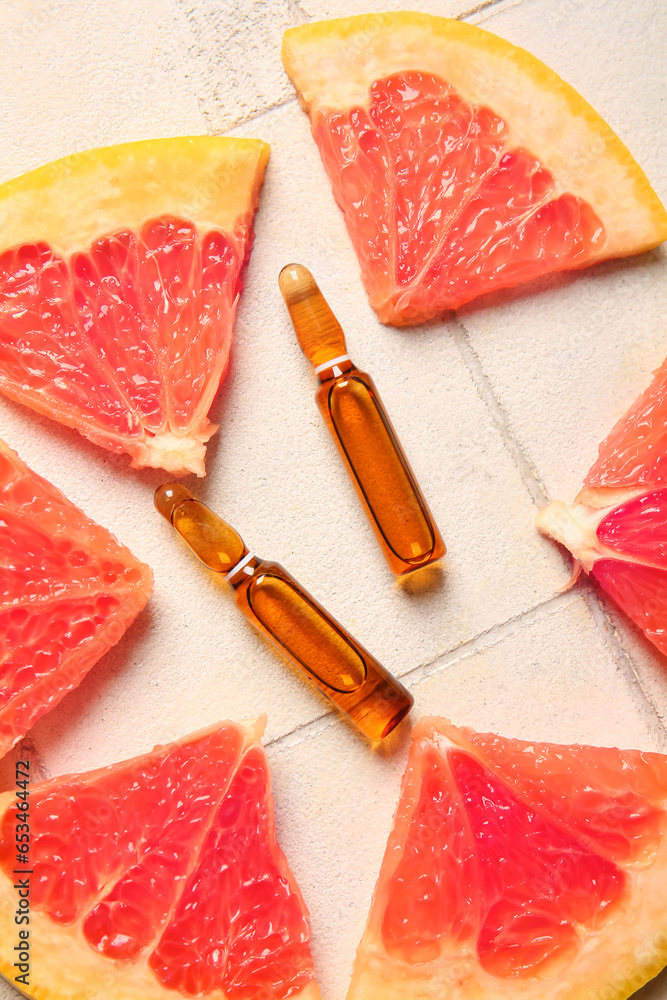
point(615, 529)
point(440, 208)
point(125, 333)
point(68, 591)
point(162, 877)
point(461, 163)
point(520, 870)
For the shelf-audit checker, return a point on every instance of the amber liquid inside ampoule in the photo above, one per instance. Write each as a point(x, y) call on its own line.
point(373, 700)
point(379, 470)
point(362, 431)
point(290, 618)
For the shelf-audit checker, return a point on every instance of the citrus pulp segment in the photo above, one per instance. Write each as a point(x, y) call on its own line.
point(120, 271)
point(634, 453)
point(68, 591)
point(615, 529)
point(159, 877)
point(462, 163)
point(518, 870)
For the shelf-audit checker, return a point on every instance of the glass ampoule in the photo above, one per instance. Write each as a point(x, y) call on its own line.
point(362, 431)
point(356, 683)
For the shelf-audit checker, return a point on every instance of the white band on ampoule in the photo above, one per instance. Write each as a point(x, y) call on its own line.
point(240, 564)
point(330, 364)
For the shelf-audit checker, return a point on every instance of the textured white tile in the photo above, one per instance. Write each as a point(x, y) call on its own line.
point(563, 361)
point(346, 8)
point(552, 679)
point(234, 56)
point(75, 76)
point(583, 344)
point(566, 360)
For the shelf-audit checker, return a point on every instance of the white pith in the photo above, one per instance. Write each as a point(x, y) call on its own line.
point(575, 526)
point(175, 454)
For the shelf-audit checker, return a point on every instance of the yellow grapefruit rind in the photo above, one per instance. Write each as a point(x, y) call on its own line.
point(628, 950)
point(63, 966)
point(333, 63)
point(213, 181)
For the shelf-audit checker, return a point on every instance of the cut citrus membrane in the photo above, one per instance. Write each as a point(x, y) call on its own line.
point(462, 163)
point(529, 871)
point(68, 591)
point(616, 529)
point(156, 878)
point(119, 279)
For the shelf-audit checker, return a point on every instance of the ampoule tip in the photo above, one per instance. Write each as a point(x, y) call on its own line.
point(168, 496)
point(296, 283)
point(318, 331)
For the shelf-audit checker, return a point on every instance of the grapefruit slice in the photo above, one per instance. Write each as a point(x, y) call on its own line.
point(462, 164)
point(68, 591)
point(519, 870)
point(157, 878)
point(616, 529)
point(119, 279)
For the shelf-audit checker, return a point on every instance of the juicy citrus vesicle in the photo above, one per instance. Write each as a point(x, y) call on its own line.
point(126, 335)
point(518, 870)
point(68, 591)
point(439, 207)
point(163, 876)
point(462, 164)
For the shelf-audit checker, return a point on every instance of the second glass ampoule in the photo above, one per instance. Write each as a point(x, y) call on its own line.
point(362, 431)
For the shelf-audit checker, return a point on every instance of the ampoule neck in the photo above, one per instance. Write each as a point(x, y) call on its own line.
point(334, 368)
point(244, 571)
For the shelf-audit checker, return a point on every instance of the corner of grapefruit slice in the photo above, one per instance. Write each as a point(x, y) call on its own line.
point(156, 878)
point(616, 529)
point(120, 271)
point(519, 871)
point(462, 163)
point(68, 592)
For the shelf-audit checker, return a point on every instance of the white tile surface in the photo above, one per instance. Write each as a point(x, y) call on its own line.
point(494, 411)
point(545, 678)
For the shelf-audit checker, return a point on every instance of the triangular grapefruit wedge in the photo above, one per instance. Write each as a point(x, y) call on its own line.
point(156, 878)
point(616, 528)
point(68, 591)
point(519, 870)
point(462, 163)
point(119, 279)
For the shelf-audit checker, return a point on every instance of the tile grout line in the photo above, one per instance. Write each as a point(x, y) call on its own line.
point(621, 657)
point(255, 115)
point(488, 638)
point(483, 640)
point(529, 476)
point(486, 6)
point(540, 497)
